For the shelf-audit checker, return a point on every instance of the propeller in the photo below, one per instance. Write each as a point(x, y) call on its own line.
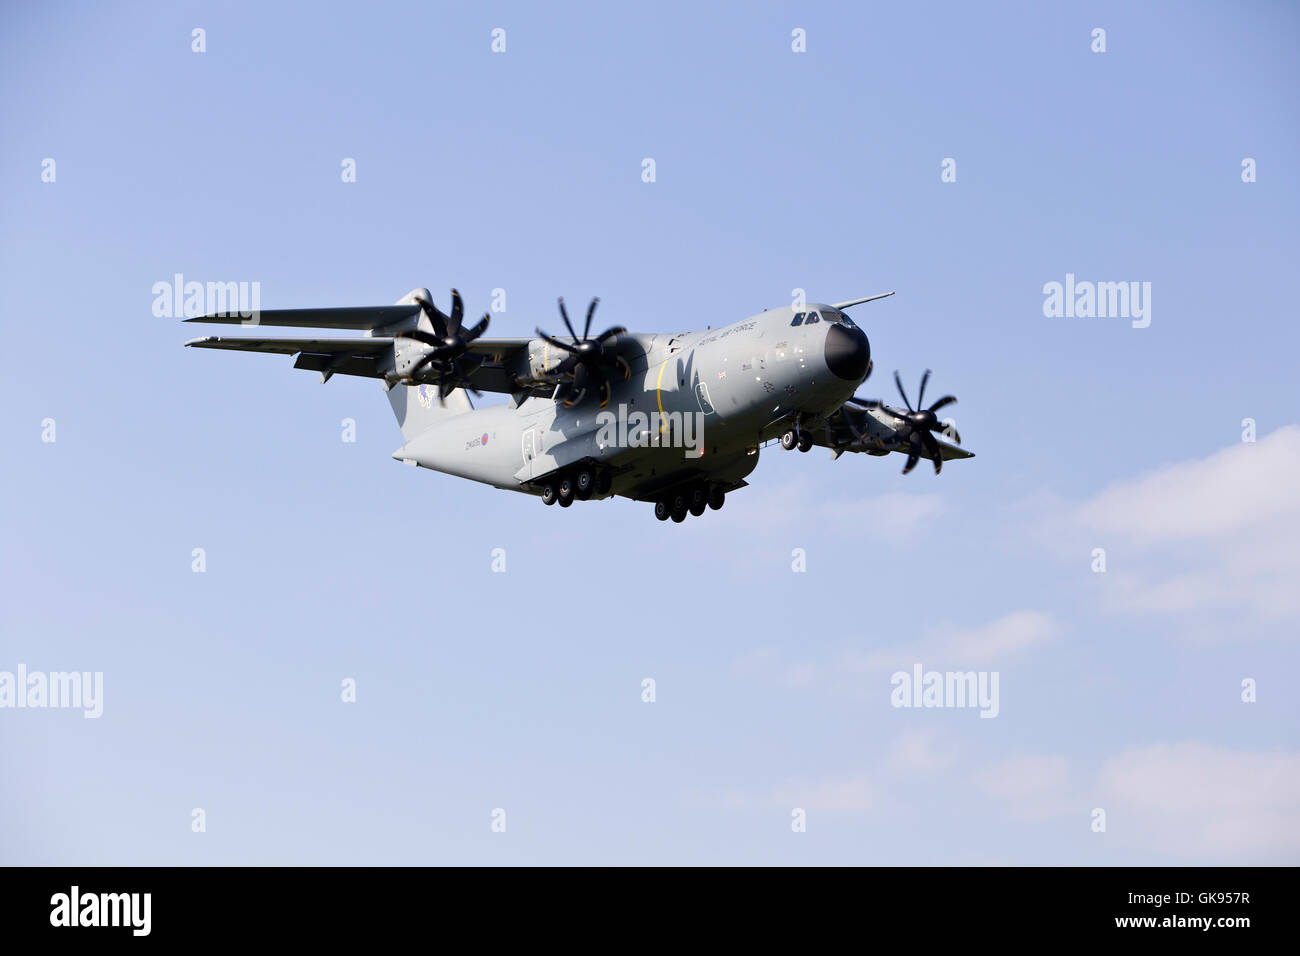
point(448, 345)
point(921, 422)
point(588, 363)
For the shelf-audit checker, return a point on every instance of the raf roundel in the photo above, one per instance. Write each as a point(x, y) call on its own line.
point(485, 438)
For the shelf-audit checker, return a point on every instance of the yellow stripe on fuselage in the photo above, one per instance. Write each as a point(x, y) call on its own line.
point(659, 397)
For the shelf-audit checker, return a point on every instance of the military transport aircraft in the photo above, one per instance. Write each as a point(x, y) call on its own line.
point(674, 419)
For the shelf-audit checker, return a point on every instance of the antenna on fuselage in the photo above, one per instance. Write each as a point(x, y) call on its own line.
point(852, 302)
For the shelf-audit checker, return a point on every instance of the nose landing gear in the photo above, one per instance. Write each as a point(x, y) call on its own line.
point(795, 438)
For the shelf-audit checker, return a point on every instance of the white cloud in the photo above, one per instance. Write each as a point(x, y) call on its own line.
point(1215, 534)
point(894, 515)
point(766, 665)
point(1032, 787)
point(1243, 489)
point(854, 794)
point(943, 648)
point(801, 503)
point(832, 795)
point(1197, 800)
point(916, 751)
point(951, 647)
point(1202, 803)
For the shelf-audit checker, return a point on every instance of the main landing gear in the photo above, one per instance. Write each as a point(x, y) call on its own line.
point(577, 485)
point(692, 499)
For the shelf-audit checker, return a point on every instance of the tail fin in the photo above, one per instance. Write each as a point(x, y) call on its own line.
point(418, 407)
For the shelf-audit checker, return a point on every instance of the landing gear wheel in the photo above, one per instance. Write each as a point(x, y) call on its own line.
point(678, 508)
point(699, 501)
point(661, 510)
point(584, 483)
point(716, 497)
point(805, 443)
point(566, 492)
point(789, 440)
point(549, 494)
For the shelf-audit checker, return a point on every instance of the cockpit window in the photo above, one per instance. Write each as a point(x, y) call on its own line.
point(798, 319)
point(839, 318)
point(812, 317)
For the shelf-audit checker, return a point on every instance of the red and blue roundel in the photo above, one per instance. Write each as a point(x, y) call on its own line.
point(484, 439)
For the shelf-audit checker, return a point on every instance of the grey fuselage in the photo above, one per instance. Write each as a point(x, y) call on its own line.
point(743, 385)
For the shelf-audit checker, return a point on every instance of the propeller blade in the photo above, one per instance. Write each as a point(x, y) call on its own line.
point(565, 316)
point(912, 459)
point(429, 358)
point(866, 402)
point(946, 400)
point(421, 336)
point(627, 369)
point(479, 328)
point(935, 453)
point(920, 399)
point(457, 313)
point(438, 320)
point(899, 382)
point(591, 310)
point(610, 333)
point(557, 343)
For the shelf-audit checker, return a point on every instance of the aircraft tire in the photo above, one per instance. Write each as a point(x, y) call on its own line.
point(661, 510)
point(699, 500)
point(549, 494)
point(717, 497)
point(678, 508)
point(805, 443)
point(584, 483)
point(789, 440)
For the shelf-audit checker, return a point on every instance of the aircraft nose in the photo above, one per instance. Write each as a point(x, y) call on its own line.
point(847, 352)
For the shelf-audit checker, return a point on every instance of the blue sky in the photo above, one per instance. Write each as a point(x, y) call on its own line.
point(775, 171)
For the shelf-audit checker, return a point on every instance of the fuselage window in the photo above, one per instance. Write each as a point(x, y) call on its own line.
point(798, 319)
point(812, 317)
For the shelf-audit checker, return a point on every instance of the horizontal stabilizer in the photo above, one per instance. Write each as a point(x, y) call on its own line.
point(352, 317)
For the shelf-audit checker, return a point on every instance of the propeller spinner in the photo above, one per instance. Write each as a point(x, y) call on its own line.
point(448, 344)
point(587, 364)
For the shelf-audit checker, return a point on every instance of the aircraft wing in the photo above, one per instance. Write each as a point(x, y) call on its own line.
point(503, 358)
point(351, 317)
point(342, 356)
